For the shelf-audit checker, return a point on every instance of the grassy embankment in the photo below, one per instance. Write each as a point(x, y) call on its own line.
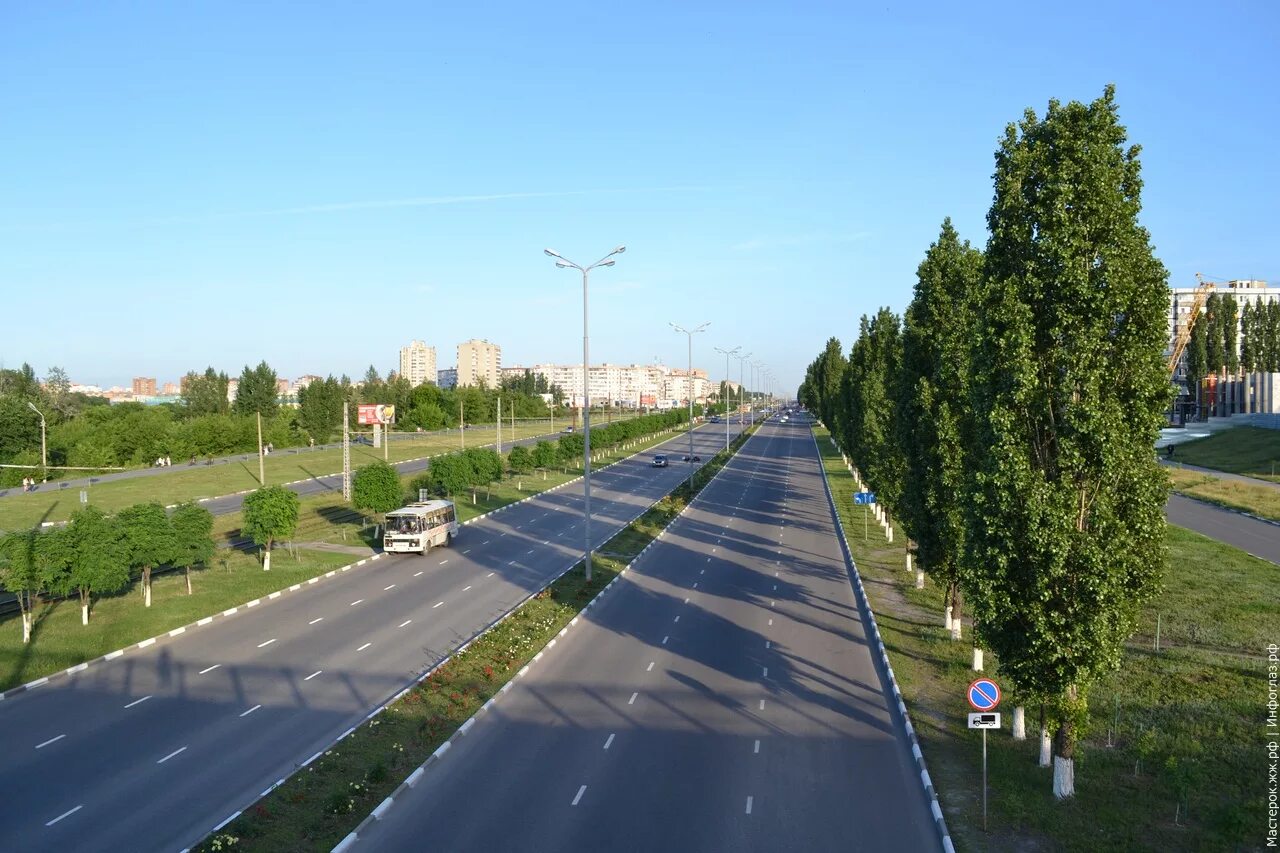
point(1251, 451)
point(1177, 732)
point(49, 503)
point(318, 806)
point(1262, 501)
point(60, 641)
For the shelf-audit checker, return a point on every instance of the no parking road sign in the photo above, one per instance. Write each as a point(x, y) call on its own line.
point(983, 694)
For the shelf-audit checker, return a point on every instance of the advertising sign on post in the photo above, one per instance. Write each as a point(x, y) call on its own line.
point(375, 413)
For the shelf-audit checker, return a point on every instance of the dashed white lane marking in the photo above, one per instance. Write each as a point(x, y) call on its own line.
point(489, 575)
point(442, 562)
point(775, 587)
point(485, 542)
point(772, 603)
point(664, 639)
point(581, 791)
point(708, 559)
point(405, 622)
point(766, 672)
point(49, 741)
point(757, 747)
point(357, 601)
point(64, 814)
point(137, 701)
point(695, 584)
point(267, 643)
point(209, 669)
point(749, 801)
point(365, 646)
point(251, 710)
point(512, 563)
point(467, 587)
point(648, 668)
point(313, 675)
point(385, 588)
point(632, 700)
point(686, 601)
point(437, 604)
point(761, 704)
point(171, 755)
point(314, 621)
point(608, 742)
point(767, 643)
point(468, 551)
point(702, 571)
point(415, 574)
point(677, 619)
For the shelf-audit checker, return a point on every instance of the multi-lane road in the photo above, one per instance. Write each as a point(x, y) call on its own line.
point(150, 751)
point(722, 696)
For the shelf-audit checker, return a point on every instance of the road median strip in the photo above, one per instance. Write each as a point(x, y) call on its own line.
point(415, 728)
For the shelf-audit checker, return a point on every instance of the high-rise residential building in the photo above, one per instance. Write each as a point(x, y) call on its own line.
point(282, 387)
point(170, 389)
point(479, 361)
point(624, 385)
point(447, 377)
point(418, 363)
point(144, 386)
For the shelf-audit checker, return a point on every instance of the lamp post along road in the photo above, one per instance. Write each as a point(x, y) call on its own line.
point(691, 333)
point(725, 395)
point(563, 263)
point(742, 386)
point(44, 452)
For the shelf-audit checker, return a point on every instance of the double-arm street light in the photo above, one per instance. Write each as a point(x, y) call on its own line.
point(742, 386)
point(725, 395)
point(44, 455)
point(755, 380)
point(691, 333)
point(563, 263)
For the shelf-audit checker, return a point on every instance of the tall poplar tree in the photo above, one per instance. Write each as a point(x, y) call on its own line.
point(1069, 390)
point(932, 422)
point(257, 391)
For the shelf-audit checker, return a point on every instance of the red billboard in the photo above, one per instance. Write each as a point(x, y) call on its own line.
point(375, 413)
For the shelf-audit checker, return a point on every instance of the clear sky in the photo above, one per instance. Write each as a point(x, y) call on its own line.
point(316, 184)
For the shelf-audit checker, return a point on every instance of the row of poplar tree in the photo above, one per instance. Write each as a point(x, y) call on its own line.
point(1008, 418)
point(1228, 339)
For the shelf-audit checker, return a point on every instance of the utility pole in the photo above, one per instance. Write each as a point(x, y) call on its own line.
point(262, 467)
point(725, 394)
point(462, 435)
point(499, 423)
point(346, 451)
point(44, 453)
point(690, 334)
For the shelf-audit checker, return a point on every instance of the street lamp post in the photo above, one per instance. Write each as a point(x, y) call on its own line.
point(754, 381)
point(44, 454)
point(691, 333)
point(742, 386)
point(563, 263)
point(727, 353)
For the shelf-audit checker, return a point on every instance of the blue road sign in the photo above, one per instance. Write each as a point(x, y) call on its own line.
point(984, 694)
point(864, 497)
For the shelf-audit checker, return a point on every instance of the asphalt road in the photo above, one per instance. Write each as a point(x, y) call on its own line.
point(151, 751)
point(722, 696)
point(1248, 534)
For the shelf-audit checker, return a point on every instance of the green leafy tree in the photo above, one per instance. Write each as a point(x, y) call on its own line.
point(92, 558)
point(270, 514)
point(520, 459)
point(828, 376)
point(1065, 522)
point(206, 394)
point(571, 447)
point(1248, 338)
point(149, 540)
point(545, 454)
point(376, 488)
point(320, 408)
point(193, 537)
point(1198, 358)
point(257, 392)
point(20, 574)
point(1230, 334)
point(933, 424)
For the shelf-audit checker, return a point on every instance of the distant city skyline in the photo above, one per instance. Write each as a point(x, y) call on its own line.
point(338, 190)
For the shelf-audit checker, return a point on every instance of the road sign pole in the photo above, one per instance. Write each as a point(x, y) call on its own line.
point(864, 522)
point(984, 780)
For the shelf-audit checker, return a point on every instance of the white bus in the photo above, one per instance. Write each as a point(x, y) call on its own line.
point(418, 526)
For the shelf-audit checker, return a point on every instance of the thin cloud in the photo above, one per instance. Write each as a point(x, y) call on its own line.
point(815, 238)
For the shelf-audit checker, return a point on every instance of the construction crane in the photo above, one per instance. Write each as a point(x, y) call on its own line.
point(1183, 336)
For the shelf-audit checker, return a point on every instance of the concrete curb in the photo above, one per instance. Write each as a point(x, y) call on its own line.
point(81, 667)
point(413, 778)
point(864, 604)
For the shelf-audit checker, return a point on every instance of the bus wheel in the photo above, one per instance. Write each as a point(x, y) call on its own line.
point(448, 540)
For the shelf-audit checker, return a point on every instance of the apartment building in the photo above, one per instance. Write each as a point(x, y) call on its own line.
point(447, 377)
point(623, 385)
point(479, 361)
point(144, 386)
point(418, 363)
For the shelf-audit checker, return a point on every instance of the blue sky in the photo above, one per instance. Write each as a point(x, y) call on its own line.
point(316, 184)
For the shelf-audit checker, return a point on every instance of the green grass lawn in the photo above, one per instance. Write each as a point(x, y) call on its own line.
point(1188, 719)
point(183, 483)
point(318, 806)
point(1262, 501)
point(1252, 451)
point(61, 641)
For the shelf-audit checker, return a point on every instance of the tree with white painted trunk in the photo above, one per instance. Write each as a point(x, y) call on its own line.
point(149, 540)
point(89, 557)
point(20, 573)
point(193, 529)
point(933, 420)
point(269, 514)
point(1065, 510)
